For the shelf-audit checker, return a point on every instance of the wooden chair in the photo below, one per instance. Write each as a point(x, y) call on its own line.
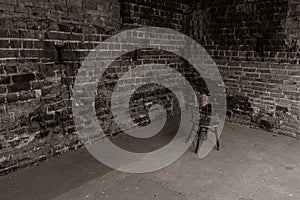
point(205, 122)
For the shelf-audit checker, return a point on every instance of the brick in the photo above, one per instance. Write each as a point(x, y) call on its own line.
point(4, 80)
point(266, 71)
point(38, 44)
point(26, 96)
point(2, 100)
point(18, 87)
point(28, 44)
point(57, 36)
point(75, 3)
point(22, 9)
point(294, 73)
point(22, 78)
point(31, 53)
point(12, 97)
point(29, 34)
point(75, 37)
point(11, 2)
point(9, 53)
point(53, 90)
point(37, 85)
point(4, 44)
point(9, 33)
point(252, 75)
point(10, 69)
point(90, 4)
point(2, 89)
point(15, 44)
point(6, 7)
point(57, 106)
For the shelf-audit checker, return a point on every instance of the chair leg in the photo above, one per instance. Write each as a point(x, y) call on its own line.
point(198, 139)
point(198, 142)
point(217, 138)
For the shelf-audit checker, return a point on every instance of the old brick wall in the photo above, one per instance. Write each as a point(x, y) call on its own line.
point(253, 44)
point(134, 13)
point(169, 14)
point(292, 26)
point(42, 45)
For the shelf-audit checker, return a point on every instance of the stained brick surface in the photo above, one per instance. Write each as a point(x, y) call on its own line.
point(35, 86)
point(36, 119)
point(255, 44)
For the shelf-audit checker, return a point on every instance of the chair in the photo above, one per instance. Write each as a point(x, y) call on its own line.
point(205, 122)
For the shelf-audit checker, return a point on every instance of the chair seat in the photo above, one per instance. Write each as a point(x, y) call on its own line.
point(205, 123)
point(208, 126)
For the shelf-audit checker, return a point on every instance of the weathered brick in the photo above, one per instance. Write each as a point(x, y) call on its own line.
point(4, 80)
point(256, 83)
point(4, 44)
point(37, 85)
point(2, 89)
point(4, 33)
point(22, 9)
point(15, 44)
point(12, 97)
point(18, 87)
point(9, 53)
point(28, 44)
point(2, 100)
point(23, 78)
point(10, 69)
point(6, 7)
point(31, 53)
point(26, 96)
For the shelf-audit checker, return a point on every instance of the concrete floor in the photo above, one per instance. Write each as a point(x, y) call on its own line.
point(252, 165)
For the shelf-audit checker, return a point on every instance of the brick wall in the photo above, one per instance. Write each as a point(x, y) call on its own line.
point(251, 41)
point(293, 26)
point(42, 45)
point(169, 14)
point(241, 24)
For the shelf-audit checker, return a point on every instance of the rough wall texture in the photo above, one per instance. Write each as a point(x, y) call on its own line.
point(169, 14)
point(292, 26)
point(255, 44)
point(42, 45)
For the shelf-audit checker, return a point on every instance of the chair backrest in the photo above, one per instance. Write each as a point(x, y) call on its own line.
point(204, 103)
point(204, 100)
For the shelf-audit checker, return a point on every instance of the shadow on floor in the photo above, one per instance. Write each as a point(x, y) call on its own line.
point(59, 175)
point(252, 165)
